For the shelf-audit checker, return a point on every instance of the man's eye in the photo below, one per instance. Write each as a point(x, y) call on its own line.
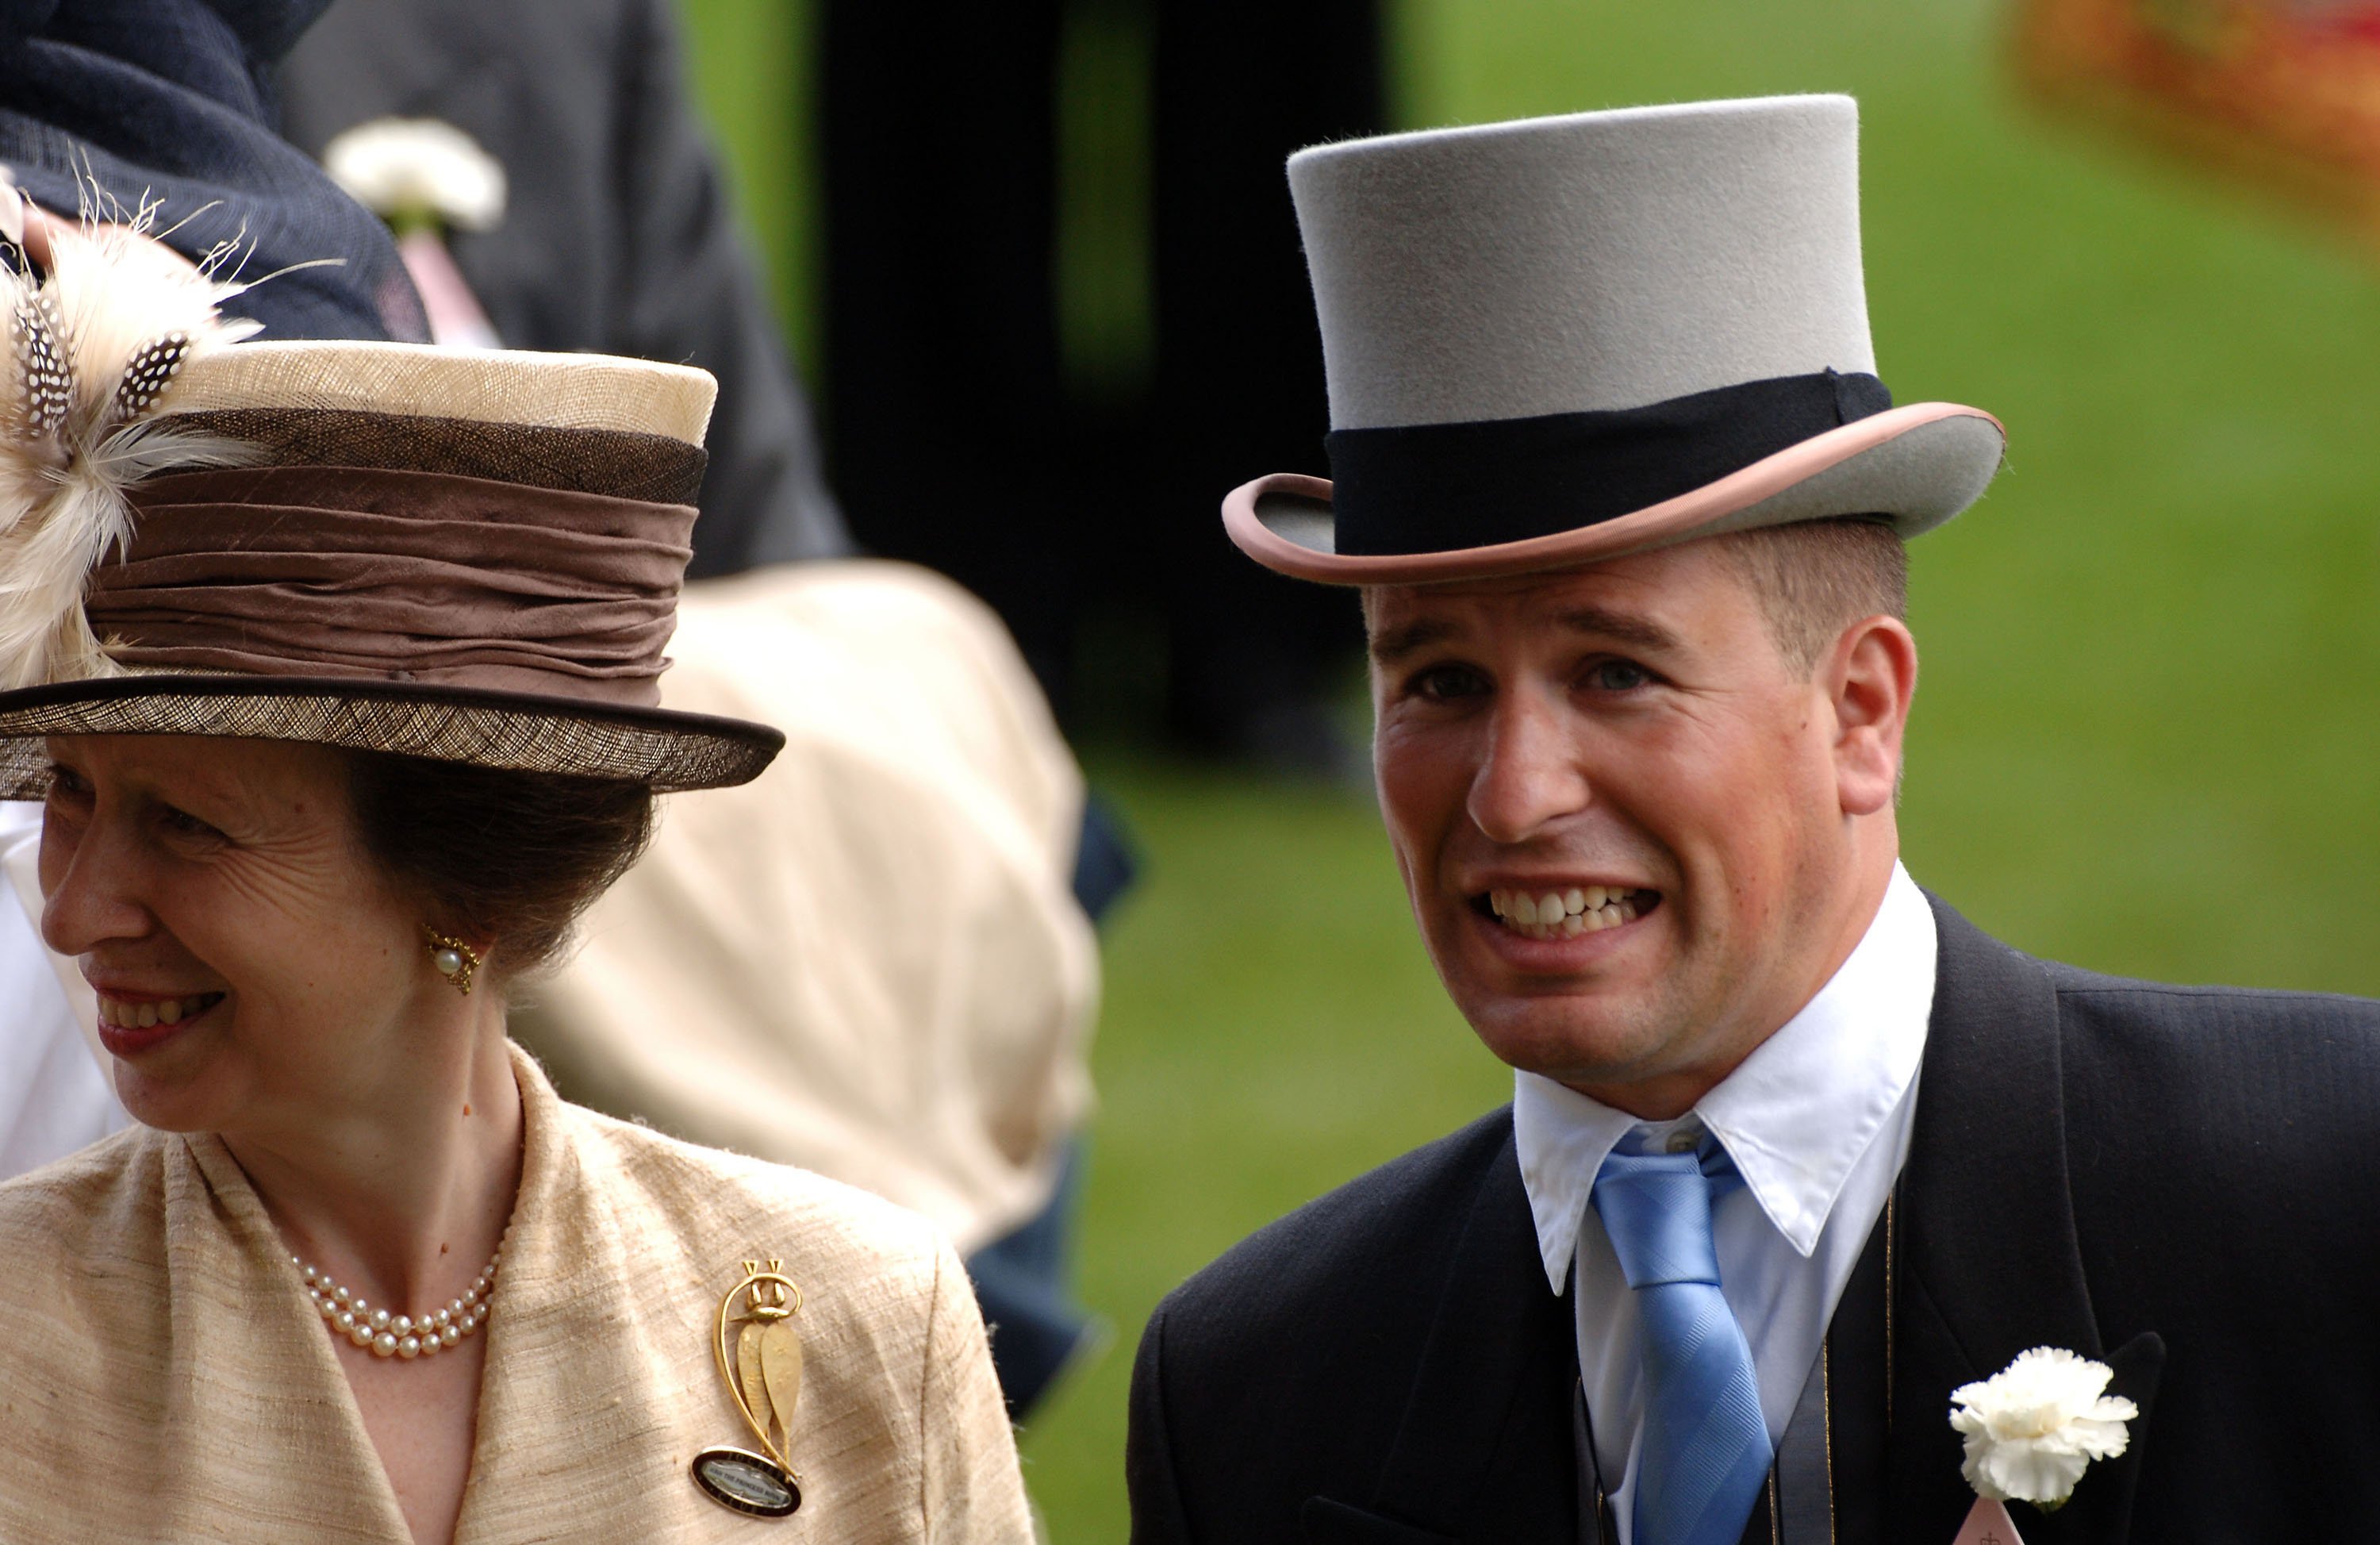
point(1617, 676)
point(1446, 683)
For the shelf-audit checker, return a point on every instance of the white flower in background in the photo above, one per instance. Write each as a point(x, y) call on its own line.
point(417, 172)
point(2033, 1427)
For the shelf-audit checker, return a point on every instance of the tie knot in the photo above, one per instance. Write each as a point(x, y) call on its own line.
point(1656, 1207)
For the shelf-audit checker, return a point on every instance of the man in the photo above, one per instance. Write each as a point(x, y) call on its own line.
point(1794, 1151)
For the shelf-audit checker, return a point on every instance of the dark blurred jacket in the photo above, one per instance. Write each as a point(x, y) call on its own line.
point(167, 101)
point(618, 235)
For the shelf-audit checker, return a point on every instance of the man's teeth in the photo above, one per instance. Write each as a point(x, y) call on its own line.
point(141, 1016)
point(1559, 914)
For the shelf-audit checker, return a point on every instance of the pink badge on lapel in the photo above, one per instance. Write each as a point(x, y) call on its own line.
point(1988, 1524)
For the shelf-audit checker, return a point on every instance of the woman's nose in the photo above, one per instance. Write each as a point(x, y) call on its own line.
point(90, 889)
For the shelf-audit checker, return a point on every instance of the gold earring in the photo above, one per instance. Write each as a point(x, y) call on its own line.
point(452, 958)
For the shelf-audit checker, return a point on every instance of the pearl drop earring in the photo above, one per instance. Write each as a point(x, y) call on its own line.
point(452, 958)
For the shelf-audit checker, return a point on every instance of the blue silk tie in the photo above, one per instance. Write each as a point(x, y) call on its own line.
point(1706, 1451)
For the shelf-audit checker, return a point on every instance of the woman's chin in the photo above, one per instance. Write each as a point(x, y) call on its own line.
point(166, 1084)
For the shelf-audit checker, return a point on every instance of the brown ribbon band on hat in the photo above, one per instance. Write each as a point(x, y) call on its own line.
point(397, 575)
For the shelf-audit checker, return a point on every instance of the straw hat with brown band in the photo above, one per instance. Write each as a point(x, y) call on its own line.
point(472, 557)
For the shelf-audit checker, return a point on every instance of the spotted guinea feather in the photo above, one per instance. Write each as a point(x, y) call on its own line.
point(92, 349)
point(44, 390)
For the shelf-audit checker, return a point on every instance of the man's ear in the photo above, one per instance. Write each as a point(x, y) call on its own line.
point(1870, 678)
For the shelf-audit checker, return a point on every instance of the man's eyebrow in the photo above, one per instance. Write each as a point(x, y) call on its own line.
point(1623, 627)
point(1414, 637)
point(1620, 627)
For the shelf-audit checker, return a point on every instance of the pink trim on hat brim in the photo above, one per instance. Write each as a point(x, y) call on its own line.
point(1696, 513)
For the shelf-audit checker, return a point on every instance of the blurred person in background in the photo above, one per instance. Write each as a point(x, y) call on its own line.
point(953, 430)
point(166, 102)
point(1816, 1214)
point(612, 228)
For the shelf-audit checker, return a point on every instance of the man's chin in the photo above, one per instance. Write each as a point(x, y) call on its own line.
point(1573, 1040)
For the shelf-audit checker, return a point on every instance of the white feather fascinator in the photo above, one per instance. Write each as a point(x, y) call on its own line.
point(87, 354)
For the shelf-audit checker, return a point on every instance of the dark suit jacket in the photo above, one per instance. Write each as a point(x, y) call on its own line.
point(2183, 1182)
point(167, 100)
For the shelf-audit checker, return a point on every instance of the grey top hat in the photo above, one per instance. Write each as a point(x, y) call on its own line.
point(1559, 340)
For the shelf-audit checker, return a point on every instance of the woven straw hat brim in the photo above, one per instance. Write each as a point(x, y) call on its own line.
point(1917, 465)
point(666, 750)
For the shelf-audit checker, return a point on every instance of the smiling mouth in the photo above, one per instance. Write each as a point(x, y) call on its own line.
point(1568, 913)
point(119, 1014)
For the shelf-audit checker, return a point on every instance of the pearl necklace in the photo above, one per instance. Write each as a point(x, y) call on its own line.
point(399, 1336)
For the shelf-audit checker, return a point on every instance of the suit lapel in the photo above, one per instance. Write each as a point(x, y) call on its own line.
point(1483, 1449)
point(1989, 1263)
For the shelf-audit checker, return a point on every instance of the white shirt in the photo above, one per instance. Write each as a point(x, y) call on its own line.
point(55, 1093)
point(1816, 1120)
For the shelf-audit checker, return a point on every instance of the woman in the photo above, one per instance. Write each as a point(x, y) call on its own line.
point(351, 723)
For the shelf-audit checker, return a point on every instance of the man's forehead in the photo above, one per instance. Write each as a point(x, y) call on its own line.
point(1637, 599)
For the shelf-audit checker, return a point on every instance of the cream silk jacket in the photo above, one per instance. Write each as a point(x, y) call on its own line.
point(164, 1376)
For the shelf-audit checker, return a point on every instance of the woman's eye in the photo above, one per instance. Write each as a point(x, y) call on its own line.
point(67, 786)
point(1617, 676)
point(183, 824)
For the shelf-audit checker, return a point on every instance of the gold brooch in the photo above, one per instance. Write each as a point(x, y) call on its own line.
point(764, 1379)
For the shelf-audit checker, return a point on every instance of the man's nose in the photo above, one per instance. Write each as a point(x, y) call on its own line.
point(1532, 773)
point(91, 888)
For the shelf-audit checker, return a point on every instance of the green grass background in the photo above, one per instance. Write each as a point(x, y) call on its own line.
point(2146, 736)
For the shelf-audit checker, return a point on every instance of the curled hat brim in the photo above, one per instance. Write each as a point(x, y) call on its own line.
point(668, 752)
point(1916, 467)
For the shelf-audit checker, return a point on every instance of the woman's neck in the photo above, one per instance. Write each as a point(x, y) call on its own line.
point(402, 1195)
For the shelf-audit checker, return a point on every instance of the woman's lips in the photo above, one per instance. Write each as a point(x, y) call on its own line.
point(130, 1025)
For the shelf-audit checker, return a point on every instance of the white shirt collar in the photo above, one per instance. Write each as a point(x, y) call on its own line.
point(1795, 1116)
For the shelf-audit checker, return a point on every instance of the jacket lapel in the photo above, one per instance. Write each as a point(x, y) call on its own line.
point(1989, 1263)
point(1483, 1449)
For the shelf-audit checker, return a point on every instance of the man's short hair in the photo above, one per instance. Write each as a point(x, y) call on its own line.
point(1813, 578)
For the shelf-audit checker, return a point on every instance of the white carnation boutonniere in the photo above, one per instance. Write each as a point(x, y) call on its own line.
point(2030, 1431)
point(426, 178)
point(418, 173)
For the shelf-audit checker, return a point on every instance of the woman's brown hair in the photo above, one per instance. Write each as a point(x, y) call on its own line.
point(505, 857)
